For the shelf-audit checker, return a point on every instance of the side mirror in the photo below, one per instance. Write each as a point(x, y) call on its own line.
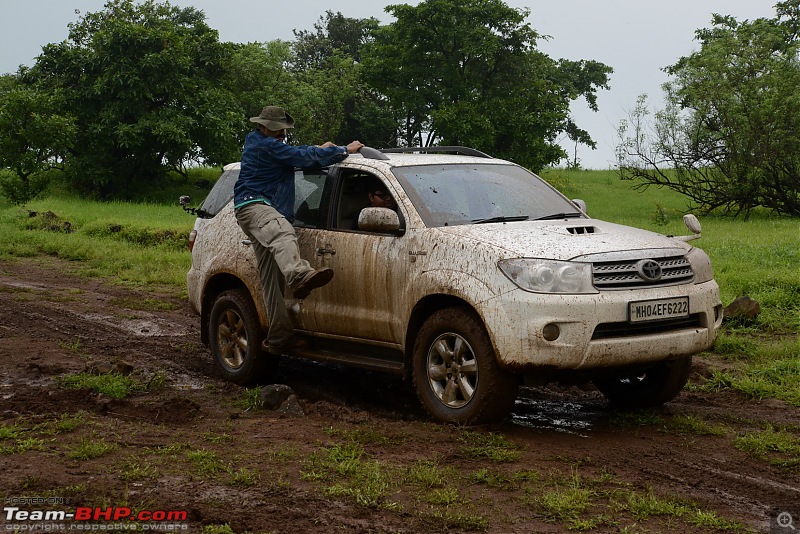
point(381, 220)
point(581, 205)
point(693, 225)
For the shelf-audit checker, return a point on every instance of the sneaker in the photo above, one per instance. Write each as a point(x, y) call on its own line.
point(312, 280)
point(294, 344)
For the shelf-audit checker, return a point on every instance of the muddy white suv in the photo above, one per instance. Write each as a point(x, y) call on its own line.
point(482, 276)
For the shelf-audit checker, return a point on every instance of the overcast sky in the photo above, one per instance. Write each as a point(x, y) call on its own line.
point(637, 38)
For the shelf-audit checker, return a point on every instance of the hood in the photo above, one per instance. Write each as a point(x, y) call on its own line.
point(564, 240)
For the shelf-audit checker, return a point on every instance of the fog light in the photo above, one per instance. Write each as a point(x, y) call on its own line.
point(551, 332)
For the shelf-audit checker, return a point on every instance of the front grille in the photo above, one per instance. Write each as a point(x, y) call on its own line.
point(625, 329)
point(623, 274)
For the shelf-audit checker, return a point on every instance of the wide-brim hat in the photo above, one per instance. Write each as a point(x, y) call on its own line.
point(275, 118)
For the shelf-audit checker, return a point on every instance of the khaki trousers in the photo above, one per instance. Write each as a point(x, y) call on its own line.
point(279, 262)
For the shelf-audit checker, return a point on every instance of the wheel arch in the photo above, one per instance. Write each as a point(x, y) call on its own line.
point(216, 285)
point(423, 309)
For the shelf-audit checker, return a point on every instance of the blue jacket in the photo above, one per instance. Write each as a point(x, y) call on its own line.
point(267, 170)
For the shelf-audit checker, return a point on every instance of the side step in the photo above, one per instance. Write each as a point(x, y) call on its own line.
point(351, 360)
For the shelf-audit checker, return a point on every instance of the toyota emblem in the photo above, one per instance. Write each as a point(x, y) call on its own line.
point(649, 269)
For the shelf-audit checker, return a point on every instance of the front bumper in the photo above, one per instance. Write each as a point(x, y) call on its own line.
point(593, 330)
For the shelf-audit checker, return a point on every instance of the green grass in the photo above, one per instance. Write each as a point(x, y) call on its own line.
point(135, 469)
point(427, 474)
point(489, 446)
point(144, 304)
point(648, 505)
point(350, 473)
point(115, 385)
point(780, 447)
point(244, 478)
point(694, 425)
point(69, 422)
point(206, 462)
point(135, 244)
point(90, 448)
point(9, 432)
point(251, 399)
point(566, 502)
point(772, 369)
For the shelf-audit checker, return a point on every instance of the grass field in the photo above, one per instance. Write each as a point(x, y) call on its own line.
point(145, 244)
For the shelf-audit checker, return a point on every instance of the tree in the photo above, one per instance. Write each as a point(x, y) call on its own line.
point(333, 34)
point(145, 84)
point(331, 97)
point(258, 75)
point(729, 134)
point(33, 138)
point(468, 73)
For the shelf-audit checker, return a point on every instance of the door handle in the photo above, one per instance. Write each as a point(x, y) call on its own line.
point(322, 251)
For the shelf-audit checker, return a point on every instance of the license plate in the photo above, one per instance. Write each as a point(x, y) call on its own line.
point(654, 310)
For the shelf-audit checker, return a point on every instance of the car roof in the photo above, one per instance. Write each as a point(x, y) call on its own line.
point(411, 157)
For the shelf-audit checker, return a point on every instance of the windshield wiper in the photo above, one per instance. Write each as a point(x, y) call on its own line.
point(501, 219)
point(558, 216)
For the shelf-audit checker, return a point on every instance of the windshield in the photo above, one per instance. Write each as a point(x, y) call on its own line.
point(446, 195)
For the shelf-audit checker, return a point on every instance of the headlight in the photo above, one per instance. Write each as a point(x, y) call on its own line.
point(549, 276)
point(701, 265)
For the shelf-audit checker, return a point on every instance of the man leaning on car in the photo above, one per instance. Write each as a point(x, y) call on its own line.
point(264, 196)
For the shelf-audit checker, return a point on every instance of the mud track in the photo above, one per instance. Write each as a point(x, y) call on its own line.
point(54, 324)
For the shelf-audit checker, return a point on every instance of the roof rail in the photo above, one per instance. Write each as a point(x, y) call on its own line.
point(459, 150)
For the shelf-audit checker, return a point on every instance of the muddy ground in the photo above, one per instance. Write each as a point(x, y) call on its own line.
point(187, 441)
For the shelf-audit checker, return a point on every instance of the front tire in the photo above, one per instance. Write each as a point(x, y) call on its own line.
point(455, 372)
point(236, 336)
point(652, 387)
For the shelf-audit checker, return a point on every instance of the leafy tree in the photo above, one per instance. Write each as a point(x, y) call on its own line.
point(468, 73)
point(332, 100)
point(334, 33)
point(729, 135)
point(145, 85)
point(320, 98)
point(258, 75)
point(33, 138)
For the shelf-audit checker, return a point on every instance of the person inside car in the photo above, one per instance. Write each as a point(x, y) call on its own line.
point(378, 197)
point(264, 197)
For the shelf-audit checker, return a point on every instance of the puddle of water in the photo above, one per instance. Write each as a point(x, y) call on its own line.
point(154, 327)
point(562, 416)
point(186, 382)
point(14, 383)
point(23, 285)
point(188, 386)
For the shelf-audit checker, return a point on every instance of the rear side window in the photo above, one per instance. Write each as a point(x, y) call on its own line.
point(220, 194)
point(308, 188)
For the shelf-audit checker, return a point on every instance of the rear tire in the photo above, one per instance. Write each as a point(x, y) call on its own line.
point(235, 336)
point(455, 372)
point(652, 387)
